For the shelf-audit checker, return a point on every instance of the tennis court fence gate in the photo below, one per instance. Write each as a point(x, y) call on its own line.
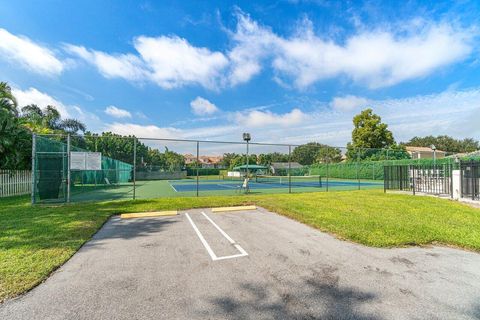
point(470, 179)
point(420, 178)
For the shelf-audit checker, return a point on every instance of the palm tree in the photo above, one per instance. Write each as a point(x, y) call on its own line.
point(49, 120)
point(7, 100)
point(14, 138)
point(72, 126)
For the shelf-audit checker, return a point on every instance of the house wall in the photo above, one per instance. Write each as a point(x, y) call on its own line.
point(426, 155)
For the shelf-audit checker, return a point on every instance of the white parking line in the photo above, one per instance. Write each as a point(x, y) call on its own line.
point(202, 239)
point(207, 246)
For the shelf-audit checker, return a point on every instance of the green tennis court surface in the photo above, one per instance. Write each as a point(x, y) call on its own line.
point(215, 186)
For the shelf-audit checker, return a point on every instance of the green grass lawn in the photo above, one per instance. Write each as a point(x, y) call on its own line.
point(34, 241)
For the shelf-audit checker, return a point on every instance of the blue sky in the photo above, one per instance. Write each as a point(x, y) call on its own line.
point(287, 71)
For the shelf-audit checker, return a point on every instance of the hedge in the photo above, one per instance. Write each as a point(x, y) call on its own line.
point(203, 171)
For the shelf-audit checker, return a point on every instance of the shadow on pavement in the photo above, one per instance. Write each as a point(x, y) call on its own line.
point(310, 299)
point(129, 229)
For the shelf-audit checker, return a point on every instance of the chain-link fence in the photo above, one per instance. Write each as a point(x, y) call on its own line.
point(72, 168)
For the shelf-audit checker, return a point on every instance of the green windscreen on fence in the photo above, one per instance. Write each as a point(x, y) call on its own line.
point(51, 165)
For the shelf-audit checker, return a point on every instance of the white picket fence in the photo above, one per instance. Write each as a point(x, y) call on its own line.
point(15, 182)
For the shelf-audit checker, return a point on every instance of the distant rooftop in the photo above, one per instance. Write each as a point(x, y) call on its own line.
point(422, 149)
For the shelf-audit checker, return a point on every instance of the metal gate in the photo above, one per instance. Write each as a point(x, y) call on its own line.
point(470, 179)
point(423, 178)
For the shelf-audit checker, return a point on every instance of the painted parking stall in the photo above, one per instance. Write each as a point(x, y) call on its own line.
point(213, 255)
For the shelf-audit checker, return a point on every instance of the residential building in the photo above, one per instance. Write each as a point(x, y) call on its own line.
point(424, 153)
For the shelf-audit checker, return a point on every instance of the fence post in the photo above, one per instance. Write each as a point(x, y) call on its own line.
point(34, 159)
point(198, 162)
point(451, 179)
point(413, 180)
point(134, 165)
point(358, 174)
point(461, 180)
point(385, 179)
point(328, 158)
point(68, 166)
point(289, 169)
point(472, 178)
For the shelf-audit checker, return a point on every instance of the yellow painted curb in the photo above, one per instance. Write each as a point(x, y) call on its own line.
point(148, 214)
point(239, 208)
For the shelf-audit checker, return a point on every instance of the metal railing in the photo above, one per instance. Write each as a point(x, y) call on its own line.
point(470, 179)
point(429, 179)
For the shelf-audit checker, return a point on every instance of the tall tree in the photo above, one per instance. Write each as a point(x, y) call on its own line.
point(49, 120)
point(15, 140)
point(72, 126)
point(267, 158)
point(369, 136)
point(328, 154)
point(8, 103)
point(227, 159)
point(174, 161)
point(313, 152)
point(370, 132)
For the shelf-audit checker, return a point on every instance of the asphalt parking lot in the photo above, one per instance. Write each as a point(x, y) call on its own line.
point(249, 265)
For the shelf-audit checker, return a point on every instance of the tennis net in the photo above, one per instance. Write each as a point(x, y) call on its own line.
point(300, 181)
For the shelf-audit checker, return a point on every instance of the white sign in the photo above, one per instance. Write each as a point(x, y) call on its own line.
point(77, 160)
point(85, 161)
point(94, 161)
point(233, 174)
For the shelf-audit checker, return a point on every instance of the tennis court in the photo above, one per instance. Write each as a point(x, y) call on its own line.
point(209, 186)
point(304, 183)
point(83, 168)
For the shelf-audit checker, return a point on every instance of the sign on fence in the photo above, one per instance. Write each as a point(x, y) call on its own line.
point(85, 160)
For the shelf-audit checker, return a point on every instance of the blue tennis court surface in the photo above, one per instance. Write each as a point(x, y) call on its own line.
point(212, 185)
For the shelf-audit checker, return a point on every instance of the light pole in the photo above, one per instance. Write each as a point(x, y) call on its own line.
point(434, 154)
point(247, 138)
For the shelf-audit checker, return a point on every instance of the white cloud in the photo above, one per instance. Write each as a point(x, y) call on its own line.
point(174, 62)
point(117, 112)
point(373, 58)
point(125, 66)
point(449, 112)
point(252, 44)
point(201, 106)
point(148, 131)
point(28, 54)
point(170, 62)
point(42, 99)
point(140, 115)
point(258, 118)
point(348, 103)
